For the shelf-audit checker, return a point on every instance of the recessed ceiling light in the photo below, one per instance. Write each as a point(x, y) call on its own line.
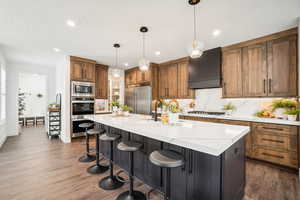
point(157, 53)
point(71, 23)
point(126, 64)
point(56, 49)
point(216, 32)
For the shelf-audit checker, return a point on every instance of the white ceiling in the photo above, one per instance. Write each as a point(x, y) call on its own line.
point(30, 29)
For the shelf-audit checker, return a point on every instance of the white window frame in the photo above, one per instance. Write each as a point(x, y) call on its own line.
point(2, 94)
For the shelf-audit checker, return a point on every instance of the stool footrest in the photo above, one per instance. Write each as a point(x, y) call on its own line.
point(121, 180)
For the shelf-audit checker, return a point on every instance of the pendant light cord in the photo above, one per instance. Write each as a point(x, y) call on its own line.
point(144, 45)
point(195, 33)
point(117, 57)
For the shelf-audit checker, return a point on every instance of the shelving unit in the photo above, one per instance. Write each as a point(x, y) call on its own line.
point(54, 123)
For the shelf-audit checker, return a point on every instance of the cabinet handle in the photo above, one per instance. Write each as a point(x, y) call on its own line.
point(224, 88)
point(276, 156)
point(191, 162)
point(265, 82)
point(270, 85)
point(270, 128)
point(270, 140)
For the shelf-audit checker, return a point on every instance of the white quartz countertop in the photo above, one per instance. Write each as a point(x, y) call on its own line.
point(206, 137)
point(246, 118)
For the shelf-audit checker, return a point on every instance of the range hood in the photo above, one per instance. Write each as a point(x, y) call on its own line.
point(205, 72)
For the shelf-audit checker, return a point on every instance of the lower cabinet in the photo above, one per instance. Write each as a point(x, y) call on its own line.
point(202, 177)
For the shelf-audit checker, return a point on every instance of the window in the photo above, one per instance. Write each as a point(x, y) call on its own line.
point(2, 93)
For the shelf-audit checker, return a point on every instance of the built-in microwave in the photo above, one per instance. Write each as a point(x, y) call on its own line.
point(83, 89)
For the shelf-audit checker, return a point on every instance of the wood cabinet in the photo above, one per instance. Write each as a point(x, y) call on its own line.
point(173, 80)
point(232, 73)
point(264, 67)
point(82, 69)
point(282, 67)
point(130, 77)
point(183, 77)
point(101, 86)
point(255, 74)
point(278, 144)
point(134, 77)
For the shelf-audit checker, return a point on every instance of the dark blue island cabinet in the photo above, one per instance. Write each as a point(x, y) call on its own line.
point(203, 176)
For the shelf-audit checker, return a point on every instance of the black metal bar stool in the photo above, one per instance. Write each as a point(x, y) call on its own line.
point(131, 147)
point(111, 182)
point(166, 160)
point(88, 157)
point(97, 168)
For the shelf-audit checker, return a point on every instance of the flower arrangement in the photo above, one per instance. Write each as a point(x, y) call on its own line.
point(284, 103)
point(126, 108)
point(229, 106)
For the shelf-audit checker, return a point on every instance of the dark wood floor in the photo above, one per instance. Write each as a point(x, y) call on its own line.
point(33, 167)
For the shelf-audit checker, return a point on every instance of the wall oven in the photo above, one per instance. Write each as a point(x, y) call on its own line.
point(80, 106)
point(83, 89)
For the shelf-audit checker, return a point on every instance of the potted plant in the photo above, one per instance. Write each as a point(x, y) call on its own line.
point(173, 115)
point(114, 105)
point(229, 108)
point(280, 106)
point(292, 114)
point(126, 109)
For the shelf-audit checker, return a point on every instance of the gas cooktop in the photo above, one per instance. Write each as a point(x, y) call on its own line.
point(206, 112)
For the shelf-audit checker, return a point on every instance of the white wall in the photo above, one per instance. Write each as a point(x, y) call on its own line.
point(13, 71)
point(63, 87)
point(3, 132)
point(32, 85)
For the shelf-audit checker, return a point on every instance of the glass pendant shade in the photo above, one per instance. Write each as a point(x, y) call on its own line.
point(196, 49)
point(144, 64)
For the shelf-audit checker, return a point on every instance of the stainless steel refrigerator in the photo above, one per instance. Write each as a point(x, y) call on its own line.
point(139, 98)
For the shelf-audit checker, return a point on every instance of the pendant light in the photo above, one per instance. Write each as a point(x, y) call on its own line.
point(196, 49)
point(143, 62)
point(116, 72)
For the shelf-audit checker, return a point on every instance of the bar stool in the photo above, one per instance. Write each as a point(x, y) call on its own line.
point(131, 147)
point(87, 157)
point(111, 182)
point(166, 160)
point(97, 168)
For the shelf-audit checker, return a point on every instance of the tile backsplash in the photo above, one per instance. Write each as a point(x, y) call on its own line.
point(211, 100)
point(101, 104)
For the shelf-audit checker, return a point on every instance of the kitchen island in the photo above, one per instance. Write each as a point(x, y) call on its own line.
point(214, 155)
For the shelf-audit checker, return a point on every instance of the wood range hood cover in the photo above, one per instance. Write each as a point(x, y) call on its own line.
point(205, 72)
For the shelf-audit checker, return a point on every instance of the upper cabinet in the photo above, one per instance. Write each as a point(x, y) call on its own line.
point(101, 86)
point(264, 67)
point(82, 69)
point(173, 80)
point(134, 77)
point(282, 67)
point(232, 73)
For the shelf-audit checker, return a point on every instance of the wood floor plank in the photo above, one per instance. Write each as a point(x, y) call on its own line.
point(32, 167)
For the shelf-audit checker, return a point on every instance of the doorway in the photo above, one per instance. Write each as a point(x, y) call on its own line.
point(32, 100)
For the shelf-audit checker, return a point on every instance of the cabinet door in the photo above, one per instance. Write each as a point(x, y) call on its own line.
point(101, 82)
point(255, 70)
point(202, 167)
point(153, 173)
point(183, 76)
point(132, 77)
point(172, 81)
point(282, 67)
point(139, 76)
point(89, 72)
point(178, 175)
point(76, 71)
point(232, 73)
point(139, 158)
point(163, 81)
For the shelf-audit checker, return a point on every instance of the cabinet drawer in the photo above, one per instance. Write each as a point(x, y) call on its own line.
point(275, 141)
point(275, 129)
point(202, 119)
point(285, 158)
point(232, 122)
